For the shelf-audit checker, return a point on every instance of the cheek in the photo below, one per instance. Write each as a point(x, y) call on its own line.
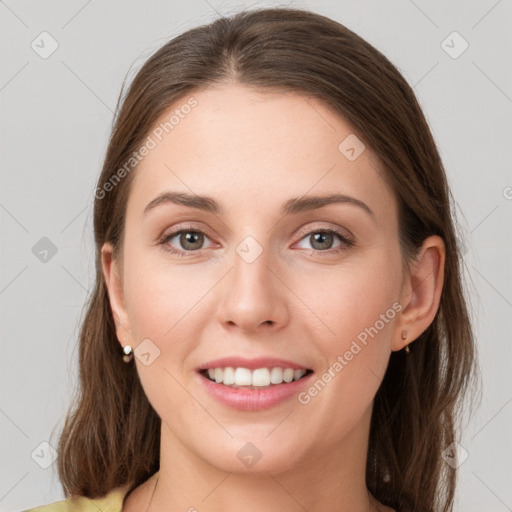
point(353, 340)
point(161, 297)
point(162, 305)
point(351, 299)
point(358, 309)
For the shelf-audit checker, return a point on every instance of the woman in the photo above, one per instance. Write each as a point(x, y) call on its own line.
point(275, 245)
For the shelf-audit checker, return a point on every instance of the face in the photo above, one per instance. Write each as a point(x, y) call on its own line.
point(316, 287)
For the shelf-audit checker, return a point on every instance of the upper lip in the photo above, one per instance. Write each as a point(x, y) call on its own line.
point(252, 364)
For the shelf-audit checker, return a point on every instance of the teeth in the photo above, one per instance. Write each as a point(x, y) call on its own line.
point(276, 375)
point(261, 377)
point(298, 374)
point(243, 376)
point(288, 375)
point(228, 377)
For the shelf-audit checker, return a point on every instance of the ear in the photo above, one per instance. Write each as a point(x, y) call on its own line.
point(421, 292)
point(113, 280)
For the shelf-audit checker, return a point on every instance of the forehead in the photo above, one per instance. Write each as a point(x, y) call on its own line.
point(247, 146)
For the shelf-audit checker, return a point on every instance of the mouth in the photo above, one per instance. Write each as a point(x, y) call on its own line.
point(254, 379)
point(253, 384)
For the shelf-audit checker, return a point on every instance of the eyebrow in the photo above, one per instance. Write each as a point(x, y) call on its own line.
point(291, 206)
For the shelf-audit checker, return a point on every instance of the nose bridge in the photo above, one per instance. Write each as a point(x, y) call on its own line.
point(252, 295)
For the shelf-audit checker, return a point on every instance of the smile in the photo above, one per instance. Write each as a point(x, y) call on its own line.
point(254, 379)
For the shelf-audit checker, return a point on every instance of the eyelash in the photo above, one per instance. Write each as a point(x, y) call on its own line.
point(345, 245)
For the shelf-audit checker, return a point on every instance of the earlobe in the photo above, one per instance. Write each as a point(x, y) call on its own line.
point(421, 293)
point(113, 281)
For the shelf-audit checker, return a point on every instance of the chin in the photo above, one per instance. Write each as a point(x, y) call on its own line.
point(252, 454)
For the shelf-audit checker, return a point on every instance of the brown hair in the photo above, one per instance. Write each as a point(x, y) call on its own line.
point(112, 437)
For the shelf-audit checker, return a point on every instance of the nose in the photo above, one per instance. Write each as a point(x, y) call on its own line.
point(253, 296)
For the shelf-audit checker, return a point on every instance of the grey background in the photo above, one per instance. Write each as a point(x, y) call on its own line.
point(56, 117)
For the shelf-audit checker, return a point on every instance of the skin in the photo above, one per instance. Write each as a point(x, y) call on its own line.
point(252, 151)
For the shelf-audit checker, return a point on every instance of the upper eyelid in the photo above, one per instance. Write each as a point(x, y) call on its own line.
point(176, 231)
point(340, 230)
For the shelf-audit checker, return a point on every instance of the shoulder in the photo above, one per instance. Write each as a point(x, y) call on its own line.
point(112, 502)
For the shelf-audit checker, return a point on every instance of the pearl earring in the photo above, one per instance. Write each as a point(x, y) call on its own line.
point(128, 354)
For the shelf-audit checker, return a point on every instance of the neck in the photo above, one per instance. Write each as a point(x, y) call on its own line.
point(321, 482)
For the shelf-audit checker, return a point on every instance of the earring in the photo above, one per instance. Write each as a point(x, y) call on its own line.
point(404, 337)
point(128, 354)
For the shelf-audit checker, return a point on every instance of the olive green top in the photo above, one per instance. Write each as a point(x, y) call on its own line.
point(112, 502)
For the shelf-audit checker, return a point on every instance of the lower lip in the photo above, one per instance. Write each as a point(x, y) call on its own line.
point(254, 399)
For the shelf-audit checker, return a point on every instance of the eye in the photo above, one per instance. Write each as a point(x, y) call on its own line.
point(188, 240)
point(322, 240)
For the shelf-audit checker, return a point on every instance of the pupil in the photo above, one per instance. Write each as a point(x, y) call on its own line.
point(190, 237)
point(321, 237)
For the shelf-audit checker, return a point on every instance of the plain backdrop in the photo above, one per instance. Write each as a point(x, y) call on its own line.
point(56, 116)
